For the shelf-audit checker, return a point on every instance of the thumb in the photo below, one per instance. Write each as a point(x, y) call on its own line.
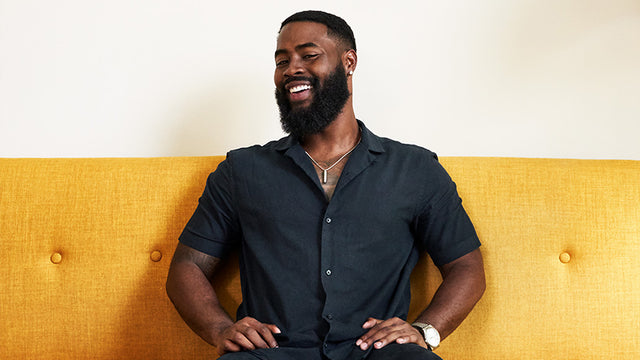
point(371, 322)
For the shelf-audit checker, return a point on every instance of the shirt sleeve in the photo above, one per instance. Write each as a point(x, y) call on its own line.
point(213, 228)
point(443, 228)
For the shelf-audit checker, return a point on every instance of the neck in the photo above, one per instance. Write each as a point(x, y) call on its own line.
point(336, 139)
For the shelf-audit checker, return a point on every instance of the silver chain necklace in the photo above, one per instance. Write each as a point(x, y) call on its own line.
point(325, 172)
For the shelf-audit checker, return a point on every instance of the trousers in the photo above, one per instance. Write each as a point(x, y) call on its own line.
point(390, 352)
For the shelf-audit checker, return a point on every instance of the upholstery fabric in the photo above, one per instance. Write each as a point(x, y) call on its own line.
point(85, 246)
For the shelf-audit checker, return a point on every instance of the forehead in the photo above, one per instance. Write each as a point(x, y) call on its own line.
point(303, 32)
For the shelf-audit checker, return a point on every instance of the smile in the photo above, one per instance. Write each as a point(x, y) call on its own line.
point(299, 88)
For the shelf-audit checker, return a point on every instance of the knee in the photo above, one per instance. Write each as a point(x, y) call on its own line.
point(403, 352)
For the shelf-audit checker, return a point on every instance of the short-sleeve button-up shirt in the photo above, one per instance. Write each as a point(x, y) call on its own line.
point(317, 268)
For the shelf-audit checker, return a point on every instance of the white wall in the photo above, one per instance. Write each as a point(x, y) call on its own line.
point(529, 78)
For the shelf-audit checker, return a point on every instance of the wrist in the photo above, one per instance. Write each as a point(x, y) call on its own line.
point(215, 333)
point(429, 333)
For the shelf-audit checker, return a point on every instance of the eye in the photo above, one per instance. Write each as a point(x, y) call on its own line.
point(310, 56)
point(281, 63)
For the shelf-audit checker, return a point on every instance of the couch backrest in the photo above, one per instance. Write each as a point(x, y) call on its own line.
point(86, 245)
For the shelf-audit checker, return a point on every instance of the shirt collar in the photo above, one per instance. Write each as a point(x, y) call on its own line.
point(369, 141)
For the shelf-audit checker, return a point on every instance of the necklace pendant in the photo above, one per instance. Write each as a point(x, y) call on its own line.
point(325, 174)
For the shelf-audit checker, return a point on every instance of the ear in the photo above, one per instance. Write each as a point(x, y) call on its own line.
point(350, 61)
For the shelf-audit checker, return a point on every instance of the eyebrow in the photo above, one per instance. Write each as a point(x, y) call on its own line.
point(299, 47)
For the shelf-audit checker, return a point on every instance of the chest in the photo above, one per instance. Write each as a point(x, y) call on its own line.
point(328, 175)
point(374, 201)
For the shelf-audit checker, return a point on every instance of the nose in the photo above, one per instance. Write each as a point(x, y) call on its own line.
point(295, 67)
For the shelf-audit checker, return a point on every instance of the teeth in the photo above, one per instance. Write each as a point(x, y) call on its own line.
point(299, 88)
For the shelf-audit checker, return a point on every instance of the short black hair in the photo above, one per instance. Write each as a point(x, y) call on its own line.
point(336, 26)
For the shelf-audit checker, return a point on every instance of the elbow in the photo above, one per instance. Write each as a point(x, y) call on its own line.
point(169, 285)
point(482, 286)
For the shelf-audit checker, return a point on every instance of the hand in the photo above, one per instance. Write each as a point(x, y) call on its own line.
point(246, 334)
point(385, 332)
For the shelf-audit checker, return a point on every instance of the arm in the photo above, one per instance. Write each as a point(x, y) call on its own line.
point(189, 288)
point(463, 283)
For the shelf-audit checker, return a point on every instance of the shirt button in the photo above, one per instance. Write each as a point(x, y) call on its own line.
point(328, 272)
point(328, 220)
point(329, 317)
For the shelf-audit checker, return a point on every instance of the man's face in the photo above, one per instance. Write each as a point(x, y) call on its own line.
point(311, 82)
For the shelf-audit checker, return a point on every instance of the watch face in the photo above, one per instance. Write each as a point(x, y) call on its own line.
point(432, 336)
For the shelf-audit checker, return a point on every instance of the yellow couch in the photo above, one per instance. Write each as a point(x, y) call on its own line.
point(86, 245)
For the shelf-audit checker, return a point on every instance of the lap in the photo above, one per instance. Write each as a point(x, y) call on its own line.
point(402, 352)
point(389, 352)
point(283, 353)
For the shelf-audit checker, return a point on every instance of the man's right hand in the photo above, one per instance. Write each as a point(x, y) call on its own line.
point(189, 286)
point(246, 334)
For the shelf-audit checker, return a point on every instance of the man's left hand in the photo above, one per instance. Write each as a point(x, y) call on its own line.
point(383, 332)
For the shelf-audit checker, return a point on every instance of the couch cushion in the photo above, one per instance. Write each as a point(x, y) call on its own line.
point(86, 245)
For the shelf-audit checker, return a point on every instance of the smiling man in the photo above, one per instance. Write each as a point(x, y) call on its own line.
point(329, 222)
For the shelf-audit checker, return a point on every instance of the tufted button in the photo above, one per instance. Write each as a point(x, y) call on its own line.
point(56, 258)
point(156, 256)
point(565, 257)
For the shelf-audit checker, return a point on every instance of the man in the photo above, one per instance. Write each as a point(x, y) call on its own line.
point(329, 223)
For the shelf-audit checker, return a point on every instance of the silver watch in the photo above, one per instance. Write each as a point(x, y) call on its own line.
point(430, 334)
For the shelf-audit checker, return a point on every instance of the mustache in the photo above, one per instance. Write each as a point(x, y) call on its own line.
point(310, 79)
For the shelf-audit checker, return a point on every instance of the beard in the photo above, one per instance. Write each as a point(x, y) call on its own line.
point(327, 103)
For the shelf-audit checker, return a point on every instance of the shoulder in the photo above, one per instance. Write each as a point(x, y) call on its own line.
point(257, 151)
point(403, 149)
point(394, 149)
point(410, 156)
point(415, 166)
point(256, 159)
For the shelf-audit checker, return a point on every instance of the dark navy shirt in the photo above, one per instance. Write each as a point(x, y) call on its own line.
point(316, 268)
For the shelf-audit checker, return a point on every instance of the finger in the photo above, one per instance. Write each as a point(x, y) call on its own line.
point(411, 339)
point(260, 337)
point(266, 332)
point(241, 340)
point(228, 346)
point(401, 334)
point(384, 337)
point(263, 335)
point(366, 340)
point(415, 337)
point(274, 329)
point(384, 333)
point(371, 322)
point(390, 337)
point(244, 335)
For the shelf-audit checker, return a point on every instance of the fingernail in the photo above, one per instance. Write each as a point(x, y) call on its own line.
point(358, 342)
point(364, 346)
point(378, 345)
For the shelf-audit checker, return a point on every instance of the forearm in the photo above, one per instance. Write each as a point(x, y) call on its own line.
point(196, 301)
point(462, 286)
